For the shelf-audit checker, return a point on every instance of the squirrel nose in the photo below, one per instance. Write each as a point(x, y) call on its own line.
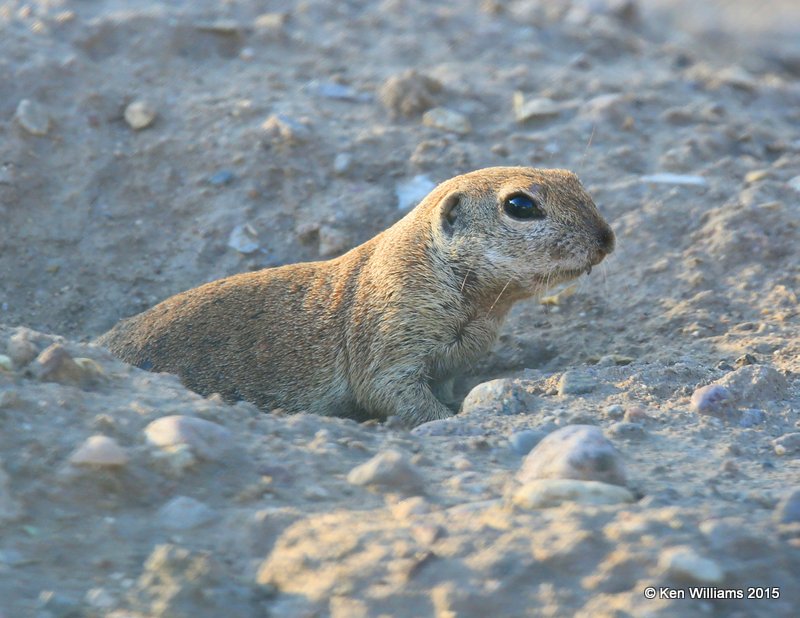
point(606, 240)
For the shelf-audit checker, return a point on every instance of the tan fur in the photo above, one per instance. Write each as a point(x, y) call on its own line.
point(378, 330)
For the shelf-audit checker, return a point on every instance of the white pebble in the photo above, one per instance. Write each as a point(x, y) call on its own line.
point(140, 115)
point(447, 120)
point(534, 109)
point(684, 563)
point(244, 239)
point(675, 179)
point(389, 469)
point(183, 513)
point(207, 440)
point(99, 450)
point(33, 117)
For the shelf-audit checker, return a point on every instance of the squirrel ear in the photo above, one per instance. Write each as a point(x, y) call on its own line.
point(449, 211)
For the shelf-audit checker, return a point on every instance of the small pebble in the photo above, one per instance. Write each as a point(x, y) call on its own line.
point(100, 451)
point(57, 605)
point(411, 192)
point(744, 360)
point(626, 430)
point(99, 598)
point(140, 115)
point(787, 444)
point(446, 120)
point(33, 117)
point(522, 442)
point(6, 364)
point(332, 90)
point(546, 493)
point(244, 239)
point(207, 440)
point(389, 469)
point(184, 513)
point(684, 563)
point(20, 347)
point(614, 411)
point(755, 176)
point(636, 414)
point(410, 507)
point(342, 163)
point(222, 178)
point(713, 400)
point(675, 179)
point(55, 364)
point(794, 183)
point(534, 109)
point(576, 383)
point(282, 129)
point(579, 452)
point(788, 509)
point(504, 396)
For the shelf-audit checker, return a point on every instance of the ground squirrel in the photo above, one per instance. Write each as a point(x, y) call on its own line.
point(382, 329)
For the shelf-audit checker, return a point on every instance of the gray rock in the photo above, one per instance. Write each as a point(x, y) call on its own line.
point(787, 444)
point(388, 470)
point(788, 509)
point(21, 347)
point(579, 452)
point(33, 117)
point(576, 383)
point(504, 396)
point(205, 439)
point(712, 400)
point(184, 513)
point(522, 442)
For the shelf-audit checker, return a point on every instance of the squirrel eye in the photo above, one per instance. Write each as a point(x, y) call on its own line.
point(522, 206)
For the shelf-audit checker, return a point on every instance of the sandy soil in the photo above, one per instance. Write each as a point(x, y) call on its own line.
point(272, 136)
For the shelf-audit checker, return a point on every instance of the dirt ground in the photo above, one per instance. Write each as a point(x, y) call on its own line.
point(146, 148)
